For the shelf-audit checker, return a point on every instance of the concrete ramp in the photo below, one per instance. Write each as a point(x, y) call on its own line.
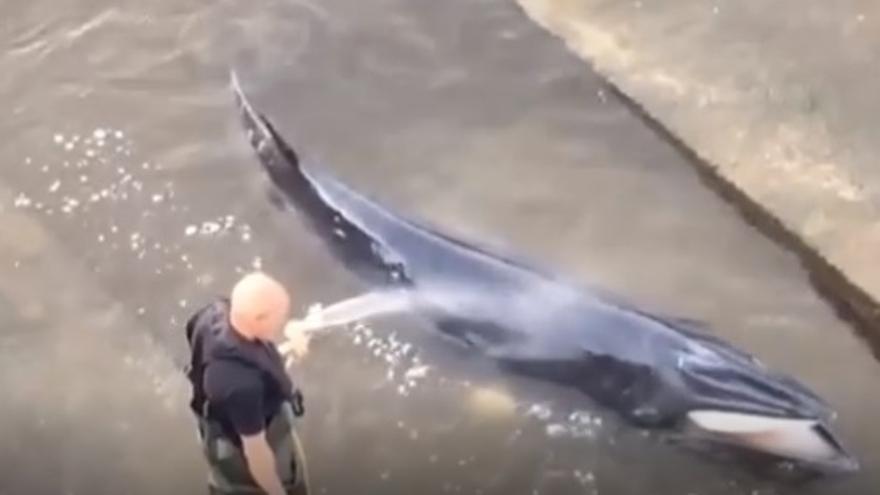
point(778, 105)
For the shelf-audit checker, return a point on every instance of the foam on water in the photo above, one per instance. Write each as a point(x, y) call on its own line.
point(96, 179)
point(89, 178)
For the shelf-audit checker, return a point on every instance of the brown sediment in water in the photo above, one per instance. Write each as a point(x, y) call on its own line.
point(493, 132)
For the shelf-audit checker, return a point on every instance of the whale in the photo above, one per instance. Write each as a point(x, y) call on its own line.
point(654, 372)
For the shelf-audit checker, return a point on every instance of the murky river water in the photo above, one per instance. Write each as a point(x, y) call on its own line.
point(129, 197)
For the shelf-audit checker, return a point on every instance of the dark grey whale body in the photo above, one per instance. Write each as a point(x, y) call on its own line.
point(653, 372)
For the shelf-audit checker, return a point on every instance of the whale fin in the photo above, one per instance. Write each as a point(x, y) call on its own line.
point(796, 438)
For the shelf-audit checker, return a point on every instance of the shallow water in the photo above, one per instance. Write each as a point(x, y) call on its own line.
point(130, 198)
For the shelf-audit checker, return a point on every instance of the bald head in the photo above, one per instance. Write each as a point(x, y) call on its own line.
point(259, 306)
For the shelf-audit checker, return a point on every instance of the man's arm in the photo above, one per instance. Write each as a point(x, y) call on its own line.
point(261, 463)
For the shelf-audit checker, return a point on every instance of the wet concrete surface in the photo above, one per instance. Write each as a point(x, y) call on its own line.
point(128, 172)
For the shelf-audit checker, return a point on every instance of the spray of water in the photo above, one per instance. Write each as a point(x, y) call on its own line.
point(529, 302)
point(524, 304)
point(355, 309)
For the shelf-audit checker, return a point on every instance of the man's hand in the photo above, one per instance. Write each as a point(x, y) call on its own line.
point(298, 334)
point(261, 463)
point(313, 321)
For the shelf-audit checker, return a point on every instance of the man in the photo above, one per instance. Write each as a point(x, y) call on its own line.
point(243, 399)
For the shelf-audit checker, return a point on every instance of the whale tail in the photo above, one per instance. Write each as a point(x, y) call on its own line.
point(295, 185)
